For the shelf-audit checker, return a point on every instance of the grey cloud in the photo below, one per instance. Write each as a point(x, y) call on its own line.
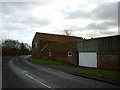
point(77, 14)
point(101, 26)
point(96, 26)
point(85, 32)
point(107, 32)
point(92, 34)
point(102, 33)
point(13, 7)
point(36, 21)
point(8, 8)
point(107, 11)
point(104, 11)
point(96, 30)
point(19, 9)
point(26, 24)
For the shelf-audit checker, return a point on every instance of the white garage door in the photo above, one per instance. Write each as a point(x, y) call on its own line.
point(88, 59)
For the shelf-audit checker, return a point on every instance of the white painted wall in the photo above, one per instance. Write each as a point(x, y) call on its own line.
point(88, 59)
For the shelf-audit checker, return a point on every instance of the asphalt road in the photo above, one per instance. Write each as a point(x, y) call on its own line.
point(17, 72)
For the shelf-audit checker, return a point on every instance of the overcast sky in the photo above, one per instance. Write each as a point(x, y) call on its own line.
point(87, 18)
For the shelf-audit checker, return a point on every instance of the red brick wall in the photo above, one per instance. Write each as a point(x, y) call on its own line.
point(62, 56)
point(108, 61)
point(45, 55)
point(36, 52)
point(44, 43)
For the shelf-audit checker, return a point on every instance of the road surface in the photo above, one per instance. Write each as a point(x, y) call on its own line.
point(17, 72)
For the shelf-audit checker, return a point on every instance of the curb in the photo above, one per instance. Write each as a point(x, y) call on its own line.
point(98, 79)
point(85, 76)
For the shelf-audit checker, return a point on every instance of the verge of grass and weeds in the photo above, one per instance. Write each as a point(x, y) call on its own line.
point(46, 61)
point(102, 74)
point(109, 75)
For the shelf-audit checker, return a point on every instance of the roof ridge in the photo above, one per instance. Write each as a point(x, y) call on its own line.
point(58, 35)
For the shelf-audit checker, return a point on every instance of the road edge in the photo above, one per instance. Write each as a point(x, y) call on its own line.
point(84, 76)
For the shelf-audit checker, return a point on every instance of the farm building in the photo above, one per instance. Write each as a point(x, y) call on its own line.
point(96, 53)
point(101, 52)
point(42, 41)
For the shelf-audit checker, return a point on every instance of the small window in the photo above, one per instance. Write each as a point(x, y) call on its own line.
point(50, 54)
point(35, 44)
point(69, 53)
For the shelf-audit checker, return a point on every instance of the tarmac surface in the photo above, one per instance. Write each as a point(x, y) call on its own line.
point(19, 73)
point(70, 69)
point(65, 68)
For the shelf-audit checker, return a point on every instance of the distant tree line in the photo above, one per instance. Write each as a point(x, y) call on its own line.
point(14, 47)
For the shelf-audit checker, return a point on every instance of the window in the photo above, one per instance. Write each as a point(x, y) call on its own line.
point(69, 53)
point(50, 54)
point(35, 44)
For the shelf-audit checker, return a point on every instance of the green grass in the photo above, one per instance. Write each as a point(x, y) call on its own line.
point(100, 73)
point(97, 73)
point(46, 61)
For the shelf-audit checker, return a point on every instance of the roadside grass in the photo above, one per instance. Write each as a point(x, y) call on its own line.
point(109, 75)
point(46, 61)
point(100, 74)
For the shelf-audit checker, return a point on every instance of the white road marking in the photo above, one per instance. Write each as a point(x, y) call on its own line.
point(25, 73)
point(39, 81)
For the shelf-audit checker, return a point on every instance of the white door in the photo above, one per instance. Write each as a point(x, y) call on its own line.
point(88, 59)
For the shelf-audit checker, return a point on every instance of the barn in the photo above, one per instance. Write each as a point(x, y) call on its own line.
point(95, 53)
point(43, 40)
point(103, 52)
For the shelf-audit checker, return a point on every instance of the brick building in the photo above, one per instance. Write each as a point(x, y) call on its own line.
point(103, 52)
point(42, 41)
point(66, 52)
point(96, 53)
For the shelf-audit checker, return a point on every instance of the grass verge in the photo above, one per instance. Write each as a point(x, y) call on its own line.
point(100, 74)
point(46, 61)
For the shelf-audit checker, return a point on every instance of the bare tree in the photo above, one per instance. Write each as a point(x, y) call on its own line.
point(67, 32)
point(14, 47)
